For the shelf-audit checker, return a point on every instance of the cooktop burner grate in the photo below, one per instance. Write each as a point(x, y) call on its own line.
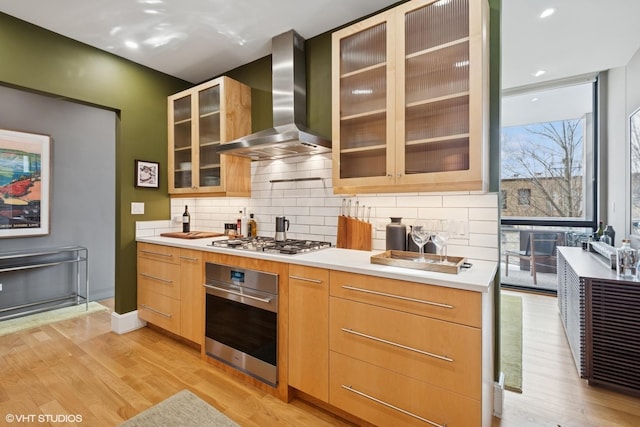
point(270, 245)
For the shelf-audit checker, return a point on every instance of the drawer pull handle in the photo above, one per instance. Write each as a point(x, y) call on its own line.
point(188, 258)
point(395, 344)
point(383, 294)
point(240, 294)
point(305, 279)
point(389, 405)
point(156, 253)
point(159, 279)
point(156, 311)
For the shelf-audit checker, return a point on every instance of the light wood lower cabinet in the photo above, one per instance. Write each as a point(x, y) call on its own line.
point(385, 398)
point(440, 353)
point(192, 295)
point(170, 292)
point(308, 330)
point(389, 352)
point(405, 353)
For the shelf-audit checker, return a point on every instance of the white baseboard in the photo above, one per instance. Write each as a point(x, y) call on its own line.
point(498, 396)
point(123, 323)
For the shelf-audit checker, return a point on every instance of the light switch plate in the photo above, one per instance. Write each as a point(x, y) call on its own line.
point(137, 208)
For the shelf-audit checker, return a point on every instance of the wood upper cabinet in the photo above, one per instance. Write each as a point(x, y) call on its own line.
point(200, 120)
point(410, 99)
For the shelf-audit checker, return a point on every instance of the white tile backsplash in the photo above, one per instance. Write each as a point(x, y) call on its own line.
point(313, 209)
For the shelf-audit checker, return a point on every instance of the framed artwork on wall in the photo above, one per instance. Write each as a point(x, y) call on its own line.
point(25, 184)
point(147, 174)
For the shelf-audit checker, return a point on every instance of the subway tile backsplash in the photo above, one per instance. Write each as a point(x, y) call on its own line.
point(312, 208)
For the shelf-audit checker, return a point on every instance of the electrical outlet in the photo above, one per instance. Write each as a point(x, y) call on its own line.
point(137, 208)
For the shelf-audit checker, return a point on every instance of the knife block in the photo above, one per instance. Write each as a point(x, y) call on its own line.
point(353, 234)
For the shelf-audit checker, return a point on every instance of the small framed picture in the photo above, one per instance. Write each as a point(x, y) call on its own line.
point(147, 174)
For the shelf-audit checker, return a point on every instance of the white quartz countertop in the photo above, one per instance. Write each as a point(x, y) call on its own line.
point(478, 278)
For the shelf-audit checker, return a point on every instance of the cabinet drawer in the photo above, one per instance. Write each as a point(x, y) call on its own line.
point(160, 310)
point(444, 354)
point(454, 305)
point(161, 277)
point(159, 252)
point(385, 398)
point(301, 273)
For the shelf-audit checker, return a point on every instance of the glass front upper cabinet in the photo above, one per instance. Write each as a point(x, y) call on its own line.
point(201, 119)
point(411, 85)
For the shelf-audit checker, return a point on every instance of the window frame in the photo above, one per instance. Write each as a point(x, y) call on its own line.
point(594, 79)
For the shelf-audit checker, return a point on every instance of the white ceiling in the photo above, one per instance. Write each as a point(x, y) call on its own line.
point(198, 39)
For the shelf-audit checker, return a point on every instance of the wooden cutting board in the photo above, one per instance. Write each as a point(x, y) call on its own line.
point(192, 234)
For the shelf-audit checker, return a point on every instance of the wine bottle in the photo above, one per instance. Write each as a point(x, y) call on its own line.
point(186, 220)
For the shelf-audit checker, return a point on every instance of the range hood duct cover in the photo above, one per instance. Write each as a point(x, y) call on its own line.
point(289, 135)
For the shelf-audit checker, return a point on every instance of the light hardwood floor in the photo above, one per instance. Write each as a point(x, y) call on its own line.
point(79, 367)
point(553, 394)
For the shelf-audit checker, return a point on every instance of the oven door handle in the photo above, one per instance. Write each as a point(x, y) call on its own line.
point(264, 300)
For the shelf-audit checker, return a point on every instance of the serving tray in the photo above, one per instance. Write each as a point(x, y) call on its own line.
point(409, 260)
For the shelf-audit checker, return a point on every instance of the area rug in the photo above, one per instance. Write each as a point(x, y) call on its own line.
point(34, 320)
point(182, 409)
point(511, 341)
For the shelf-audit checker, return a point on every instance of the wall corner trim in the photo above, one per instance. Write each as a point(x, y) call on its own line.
point(127, 322)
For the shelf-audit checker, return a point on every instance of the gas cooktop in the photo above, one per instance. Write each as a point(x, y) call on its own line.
point(271, 245)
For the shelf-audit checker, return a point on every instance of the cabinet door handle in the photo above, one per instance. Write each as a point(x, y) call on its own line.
point(395, 344)
point(159, 279)
point(188, 258)
point(156, 311)
point(383, 294)
point(305, 279)
point(389, 405)
point(156, 253)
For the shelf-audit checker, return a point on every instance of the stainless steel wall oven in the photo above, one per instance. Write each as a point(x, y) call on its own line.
point(241, 319)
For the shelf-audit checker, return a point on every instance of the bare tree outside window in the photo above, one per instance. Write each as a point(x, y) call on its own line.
point(548, 157)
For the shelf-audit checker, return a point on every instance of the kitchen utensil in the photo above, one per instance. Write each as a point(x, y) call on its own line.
point(341, 238)
point(282, 226)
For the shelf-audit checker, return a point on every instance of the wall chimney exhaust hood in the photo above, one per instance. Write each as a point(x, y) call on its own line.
point(289, 135)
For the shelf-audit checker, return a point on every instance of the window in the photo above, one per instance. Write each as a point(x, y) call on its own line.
point(524, 196)
point(548, 170)
point(547, 154)
point(634, 133)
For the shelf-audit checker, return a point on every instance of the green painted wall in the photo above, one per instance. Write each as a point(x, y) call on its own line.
point(38, 60)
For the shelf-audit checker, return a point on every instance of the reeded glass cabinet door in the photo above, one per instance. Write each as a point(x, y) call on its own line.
point(182, 150)
point(363, 121)
point(435, 129)
point(209, 142)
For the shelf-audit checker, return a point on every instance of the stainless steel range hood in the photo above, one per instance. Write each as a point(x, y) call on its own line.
point(289, 135)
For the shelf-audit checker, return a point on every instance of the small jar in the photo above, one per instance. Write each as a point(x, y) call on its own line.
point(396, 235)
point(626, 260)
